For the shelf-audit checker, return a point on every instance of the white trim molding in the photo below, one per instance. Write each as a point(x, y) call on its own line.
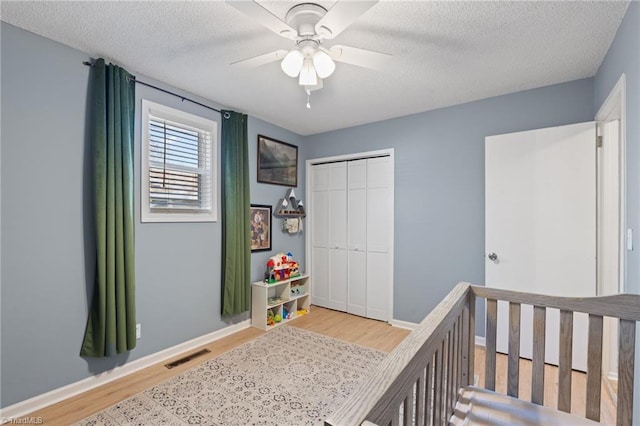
point(38, 402)
point(615, 108)
point(480, 341)
point(404, 324)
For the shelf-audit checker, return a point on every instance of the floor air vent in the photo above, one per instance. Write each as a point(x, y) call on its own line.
point(187, 358)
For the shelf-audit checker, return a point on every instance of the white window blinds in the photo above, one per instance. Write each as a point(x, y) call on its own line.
point(179, 166)
point(179, 177)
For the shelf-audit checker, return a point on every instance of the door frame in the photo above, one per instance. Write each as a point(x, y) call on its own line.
point(614, 108)
point(347, 157)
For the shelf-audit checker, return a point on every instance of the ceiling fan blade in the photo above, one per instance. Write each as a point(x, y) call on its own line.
point(360, 57)
point(260, 60)
point(264, 16)
point(341, 15)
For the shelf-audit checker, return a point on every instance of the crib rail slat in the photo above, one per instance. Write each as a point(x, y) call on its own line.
point(565, 361)
point(537, 366)
point(395, 419)
point(437, 387)
point(513, 366)
point(450, 356)
point(468, 340)
point(490, 357)
point(594, 367)
point(408, 409)
point(420, 399)
point(428, 400)
point(455, 372)
point(626, 356)
point(460, 376)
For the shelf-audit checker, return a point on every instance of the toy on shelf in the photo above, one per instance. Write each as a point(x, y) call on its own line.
point(281, 267)
point(297, 289)
point(270, 318)
point(301, 312)
point(286, 314)
point(275, 300)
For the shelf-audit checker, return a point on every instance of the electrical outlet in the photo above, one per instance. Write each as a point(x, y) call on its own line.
point(138, 331)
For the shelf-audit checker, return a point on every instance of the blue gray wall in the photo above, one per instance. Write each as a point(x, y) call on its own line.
point(262, 193)
point(46, 230)
point(624, 57)
point(45, 233)
point(439, 183)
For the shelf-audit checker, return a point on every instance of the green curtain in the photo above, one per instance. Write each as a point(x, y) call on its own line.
point(236, 248)
point(111, 326)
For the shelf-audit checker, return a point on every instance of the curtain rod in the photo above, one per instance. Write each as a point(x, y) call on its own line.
point(89, 64)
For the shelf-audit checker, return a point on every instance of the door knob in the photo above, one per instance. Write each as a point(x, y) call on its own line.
point(493, 257)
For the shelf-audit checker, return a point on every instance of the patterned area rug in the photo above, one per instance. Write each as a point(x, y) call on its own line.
point(288, 376)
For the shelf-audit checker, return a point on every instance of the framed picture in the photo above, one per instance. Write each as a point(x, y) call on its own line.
point(260, 227)
point(277, 162)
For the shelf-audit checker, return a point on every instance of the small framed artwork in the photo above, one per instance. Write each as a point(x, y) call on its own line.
point(260, 227)
point(277, 162)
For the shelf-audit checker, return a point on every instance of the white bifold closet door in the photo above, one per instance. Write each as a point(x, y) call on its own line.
point(338, 236)
point(357, 237)
point(329, 243)
point(351, 236)
point(379, 237)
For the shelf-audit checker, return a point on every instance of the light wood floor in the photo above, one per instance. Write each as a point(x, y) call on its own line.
point(362, 331)
point(578, 386)
point(365, 332)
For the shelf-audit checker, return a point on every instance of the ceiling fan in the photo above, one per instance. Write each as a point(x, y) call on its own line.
point(308, 25)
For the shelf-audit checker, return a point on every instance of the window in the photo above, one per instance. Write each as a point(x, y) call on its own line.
point(178, 166)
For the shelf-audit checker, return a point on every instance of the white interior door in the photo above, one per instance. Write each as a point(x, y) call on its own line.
point(357, 237)
point(338, 236)
point(320, 235)
point(540, 189)
point(379, 237)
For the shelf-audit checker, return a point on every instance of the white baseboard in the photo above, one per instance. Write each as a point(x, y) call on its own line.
point(480, 341)
point(403, 324)
point(30, 405)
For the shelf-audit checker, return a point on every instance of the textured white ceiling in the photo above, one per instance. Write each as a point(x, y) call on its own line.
point(444, 52)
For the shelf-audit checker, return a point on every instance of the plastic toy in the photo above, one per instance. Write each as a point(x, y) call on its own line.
point(277, 318)
point(270, 318)
point(301, 311)
point(286, 314)
point(281, 267)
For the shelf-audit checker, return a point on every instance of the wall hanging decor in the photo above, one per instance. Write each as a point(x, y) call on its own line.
point(290, 206)
point(277, 162)
point(260, 227)
point(292, 211)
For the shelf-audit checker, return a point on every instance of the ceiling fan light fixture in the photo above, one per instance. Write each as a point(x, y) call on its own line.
point(323, 64)
point(292, 63)
point(308, 76)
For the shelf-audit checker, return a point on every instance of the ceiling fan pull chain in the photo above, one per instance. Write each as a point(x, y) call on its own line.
point(308, 98)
